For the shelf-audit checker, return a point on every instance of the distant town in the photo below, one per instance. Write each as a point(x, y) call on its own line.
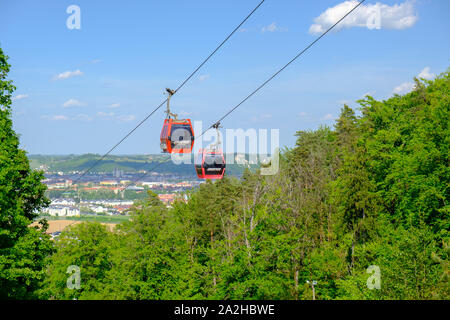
point(108, 194)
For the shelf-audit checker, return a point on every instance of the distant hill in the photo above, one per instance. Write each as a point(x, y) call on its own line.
point(126, 163)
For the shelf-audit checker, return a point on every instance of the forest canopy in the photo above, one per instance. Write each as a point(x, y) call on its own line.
point(371, 193)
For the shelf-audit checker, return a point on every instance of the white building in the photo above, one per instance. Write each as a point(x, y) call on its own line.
point(62, 211)
point(99, 209)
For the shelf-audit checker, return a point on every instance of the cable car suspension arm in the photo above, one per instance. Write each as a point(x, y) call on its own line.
point(170, 92)
point(216, 145)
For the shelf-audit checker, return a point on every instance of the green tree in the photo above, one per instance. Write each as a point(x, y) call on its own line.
point(146, 260)
point(87, 246)
point(22, 249)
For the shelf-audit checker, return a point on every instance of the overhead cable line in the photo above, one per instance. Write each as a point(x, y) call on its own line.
point(175, 91)
point(217, 123)
point(279, 71)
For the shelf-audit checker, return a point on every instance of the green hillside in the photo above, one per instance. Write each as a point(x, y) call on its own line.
point(126, 163)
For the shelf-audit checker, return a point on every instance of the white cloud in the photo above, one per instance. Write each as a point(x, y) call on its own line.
point(272, 28)
point(328, 116)
point(96, 61)
point(261, 117)
point(19, 97)
point(404, 88)
point(83, 117)
point(55, 117)
point(425, 74)
point(126, 118)
point(370, 93)
point(371, 16)
point(114, 105)
point(104, 114)
point(73, 103)
point(409, 86)
point(203, 77)
point(112, 115)
point(68, 74)
point(343, 102)
point(302, 114)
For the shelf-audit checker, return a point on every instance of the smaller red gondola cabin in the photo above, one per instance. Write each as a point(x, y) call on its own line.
point(210, 164)
point(177, 136)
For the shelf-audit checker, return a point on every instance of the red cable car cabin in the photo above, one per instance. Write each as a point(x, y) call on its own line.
point(210, 164)
point(177, 136)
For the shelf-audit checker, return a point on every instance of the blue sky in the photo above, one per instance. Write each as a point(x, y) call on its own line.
point(81, 90)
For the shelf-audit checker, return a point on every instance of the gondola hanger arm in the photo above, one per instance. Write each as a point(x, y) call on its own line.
point(170, 92)
point(216, 145)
